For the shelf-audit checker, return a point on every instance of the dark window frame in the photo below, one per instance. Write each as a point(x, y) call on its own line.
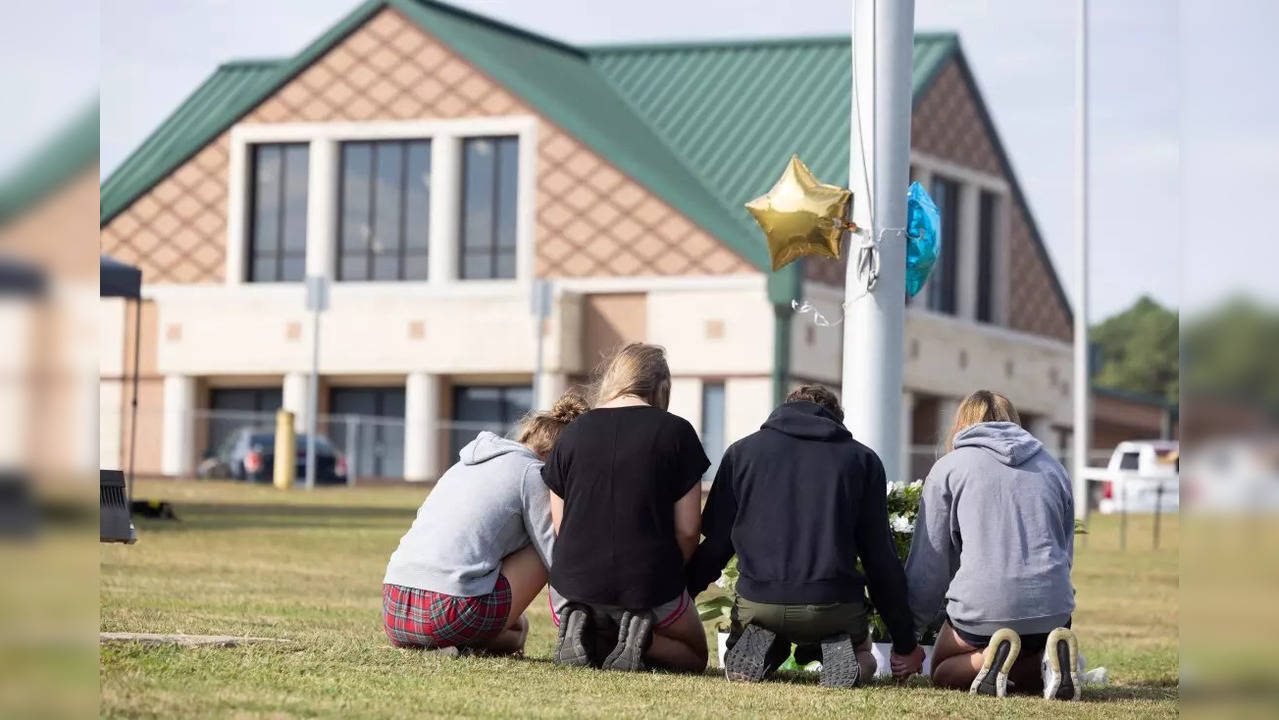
point(987, 228)
point(493, 249)
point(943, 296)
point(279, 253)
point(459, 436)
point(402, 248)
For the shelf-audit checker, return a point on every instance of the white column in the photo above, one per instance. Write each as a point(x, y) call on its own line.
point(966, 261)
point(177, 448)
point(321, 218)
point(446, 181)
point(883, 38)
point(550, 385)
point(1041, 427)
point(294, 397)
point(236, 208)
point(686, 400)
point(908, 416)
point(947, 408)
point(1001, 273)
point(421, 426)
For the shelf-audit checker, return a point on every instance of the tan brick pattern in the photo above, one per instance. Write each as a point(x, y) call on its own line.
point(947, 124)
point(176, 231)
point(592, 220)
point(1033, 303)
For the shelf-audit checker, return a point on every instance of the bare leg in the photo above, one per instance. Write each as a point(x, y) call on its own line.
point(866, 661)
point(1025, 677)
point(524, 571)
point(511, 640)
point(680, 646)
point(955, 662)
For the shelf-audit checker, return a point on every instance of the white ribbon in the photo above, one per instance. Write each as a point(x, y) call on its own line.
point(867, 269)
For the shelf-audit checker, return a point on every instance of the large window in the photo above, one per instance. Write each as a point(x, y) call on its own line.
point(385, 210)
point(989, 212)
point(233, 408)
point(367, 424)
point(490, 170)
point(277, 220)
point(495, 408)
point(941, 286)
point(712, 426)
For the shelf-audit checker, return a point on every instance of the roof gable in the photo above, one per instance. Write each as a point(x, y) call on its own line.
point(672, 116)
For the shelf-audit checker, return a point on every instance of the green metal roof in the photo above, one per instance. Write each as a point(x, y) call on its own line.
point(675, 117)
point(73, 149)
point(710, 101)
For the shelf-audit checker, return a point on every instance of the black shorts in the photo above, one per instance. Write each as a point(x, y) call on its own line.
point(1035, 642)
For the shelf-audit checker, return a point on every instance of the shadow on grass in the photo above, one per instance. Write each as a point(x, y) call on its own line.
point(200, 516)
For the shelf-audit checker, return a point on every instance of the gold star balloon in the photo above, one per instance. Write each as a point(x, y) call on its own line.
point(801, 215)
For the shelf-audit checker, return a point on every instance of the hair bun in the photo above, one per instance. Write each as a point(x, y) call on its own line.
point(568, 407)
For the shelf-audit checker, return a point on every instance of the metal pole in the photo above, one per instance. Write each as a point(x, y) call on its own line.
point(1159, 499)
point(133, 422)
point(537, 365)
point(1123, 515)
point(312, 398)
point(1080, 386)
point(352, 441)
point(879, 168)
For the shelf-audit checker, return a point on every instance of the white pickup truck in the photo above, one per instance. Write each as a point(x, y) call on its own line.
point(1142, 477)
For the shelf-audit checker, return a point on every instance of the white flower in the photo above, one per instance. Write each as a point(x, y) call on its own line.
point(901, 523)
point(919, 483)
point(722, 582)
point(896, 487)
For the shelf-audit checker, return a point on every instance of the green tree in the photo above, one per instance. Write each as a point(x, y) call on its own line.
point(1230, 354)
point(1137, 350)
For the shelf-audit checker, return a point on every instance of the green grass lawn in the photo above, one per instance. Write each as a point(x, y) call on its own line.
point(250, 560)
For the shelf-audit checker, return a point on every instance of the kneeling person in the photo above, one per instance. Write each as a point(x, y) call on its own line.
point(799, 502)
point(478, 552)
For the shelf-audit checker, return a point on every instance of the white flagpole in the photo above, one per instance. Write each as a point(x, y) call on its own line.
point(1081, 436)
point(879, 169)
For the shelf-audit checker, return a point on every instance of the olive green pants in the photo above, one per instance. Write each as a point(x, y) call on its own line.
point(804, 625)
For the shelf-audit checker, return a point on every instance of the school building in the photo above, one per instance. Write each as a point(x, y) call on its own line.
point(432, 163)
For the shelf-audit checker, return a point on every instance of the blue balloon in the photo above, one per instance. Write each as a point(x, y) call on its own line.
point(923, 237)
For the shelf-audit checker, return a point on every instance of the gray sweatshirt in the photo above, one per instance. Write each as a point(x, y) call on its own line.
point(995, 536)
point(485, 507)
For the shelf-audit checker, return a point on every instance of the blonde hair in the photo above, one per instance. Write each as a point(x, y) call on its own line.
point(539, 430)
point(979, 407)
point(637, 369)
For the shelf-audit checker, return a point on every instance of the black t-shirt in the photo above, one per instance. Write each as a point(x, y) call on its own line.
point(620, 471)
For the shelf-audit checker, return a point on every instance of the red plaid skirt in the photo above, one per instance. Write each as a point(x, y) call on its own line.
point(426, 619)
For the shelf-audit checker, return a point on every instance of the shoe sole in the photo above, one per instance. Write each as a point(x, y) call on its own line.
point(1062, 655)
point(634, 635)
point(570, 649)
point(746, 661)
point(840, 668)
point(1001, 653)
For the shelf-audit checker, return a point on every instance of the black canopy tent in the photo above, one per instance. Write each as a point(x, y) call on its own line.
point(119, 280)
point(116, 279)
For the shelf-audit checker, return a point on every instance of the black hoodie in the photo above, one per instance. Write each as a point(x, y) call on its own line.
point(799, 501)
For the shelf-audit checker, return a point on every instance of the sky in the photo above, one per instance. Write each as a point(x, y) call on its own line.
point(1164, 171)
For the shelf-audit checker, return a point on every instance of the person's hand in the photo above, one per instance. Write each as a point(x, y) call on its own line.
point(903, 666)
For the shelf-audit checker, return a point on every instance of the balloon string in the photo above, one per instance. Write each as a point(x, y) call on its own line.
point(867, 270)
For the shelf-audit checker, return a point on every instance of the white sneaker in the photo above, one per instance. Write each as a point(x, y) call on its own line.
point(997, 661)
point(1061, 666)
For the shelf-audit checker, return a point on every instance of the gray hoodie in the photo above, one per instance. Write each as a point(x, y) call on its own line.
point(485, 507)
point(995, 536)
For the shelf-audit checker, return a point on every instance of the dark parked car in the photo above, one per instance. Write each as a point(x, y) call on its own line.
point(249, 454)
